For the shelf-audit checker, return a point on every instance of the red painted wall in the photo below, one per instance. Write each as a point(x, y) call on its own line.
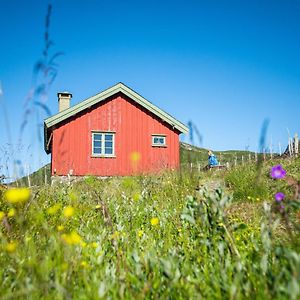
point(134, 126)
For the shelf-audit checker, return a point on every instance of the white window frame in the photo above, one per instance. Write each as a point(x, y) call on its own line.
point(159, 136)
point(103, 133)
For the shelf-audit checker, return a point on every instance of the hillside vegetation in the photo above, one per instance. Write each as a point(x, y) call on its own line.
point(175, 235)
point(189, 155)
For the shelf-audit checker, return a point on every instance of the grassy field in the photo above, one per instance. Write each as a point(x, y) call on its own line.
point(188, 155)
point(175, 235)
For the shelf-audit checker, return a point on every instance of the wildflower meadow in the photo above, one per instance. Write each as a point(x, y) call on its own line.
point(166, 236)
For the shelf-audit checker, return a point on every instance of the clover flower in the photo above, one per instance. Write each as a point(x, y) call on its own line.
point(279, 196)
point(277, 172)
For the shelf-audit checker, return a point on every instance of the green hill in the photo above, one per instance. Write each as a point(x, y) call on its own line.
point(198, 156)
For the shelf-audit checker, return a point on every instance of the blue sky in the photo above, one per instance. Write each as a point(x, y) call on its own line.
point(224, 65)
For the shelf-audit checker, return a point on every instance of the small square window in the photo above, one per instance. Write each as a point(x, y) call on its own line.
point(159, 140)
point(103, 144)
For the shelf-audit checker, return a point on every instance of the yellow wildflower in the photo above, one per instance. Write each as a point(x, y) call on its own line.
point(135, 156)
point(84, 264)
point(83, 244)
point(53, 209)
point(94, 245)
point(115, 235)
point(2, 215)
point(11, 212)
point(72, 239)
point(73, 196)
point(98, 206)
point(11, 247)
point(136, 197)
point(140, 233)
point(17, 195)
point(60, 228)
point(68, 211)
point(64, 266)
point(154, 221)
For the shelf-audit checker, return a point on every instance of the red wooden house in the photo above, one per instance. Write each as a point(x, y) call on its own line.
point(116, 132)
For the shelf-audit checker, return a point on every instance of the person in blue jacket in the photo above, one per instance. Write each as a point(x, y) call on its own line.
point(212, 160)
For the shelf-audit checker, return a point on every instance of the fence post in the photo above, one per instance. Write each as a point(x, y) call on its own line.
point(279, 146)
point(290, 146)
point(28, 177)
point(45, 170)
point(296, 141)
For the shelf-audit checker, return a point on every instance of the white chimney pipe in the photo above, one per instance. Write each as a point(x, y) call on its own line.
point(64, 99)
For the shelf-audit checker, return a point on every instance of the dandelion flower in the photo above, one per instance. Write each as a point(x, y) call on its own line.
point(279, 196)
point(140, 233)
point(53, 209)
point(154, 221)
point(68, 211)
point(84, 264)
point(2, 215)
point(72, 239)
point(11, 247)
point(17, 195)
point(94, 245)
point(135, 156)
point(11, 212)
point(60, 228)
point(115, 235)
point(136, 197)
point(277, 172)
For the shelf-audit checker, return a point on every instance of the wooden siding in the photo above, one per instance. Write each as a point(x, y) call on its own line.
point(133, 126)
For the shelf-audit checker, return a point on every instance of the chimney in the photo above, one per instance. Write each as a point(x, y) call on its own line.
point(64, 99)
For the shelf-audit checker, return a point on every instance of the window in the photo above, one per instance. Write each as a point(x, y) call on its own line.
point(159, 140)
point(103, 144)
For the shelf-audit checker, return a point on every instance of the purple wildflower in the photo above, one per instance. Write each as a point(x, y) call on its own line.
point(278, 172)
point(279, 196)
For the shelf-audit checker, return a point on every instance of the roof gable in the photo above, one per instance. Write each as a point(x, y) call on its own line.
point(119, 87)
